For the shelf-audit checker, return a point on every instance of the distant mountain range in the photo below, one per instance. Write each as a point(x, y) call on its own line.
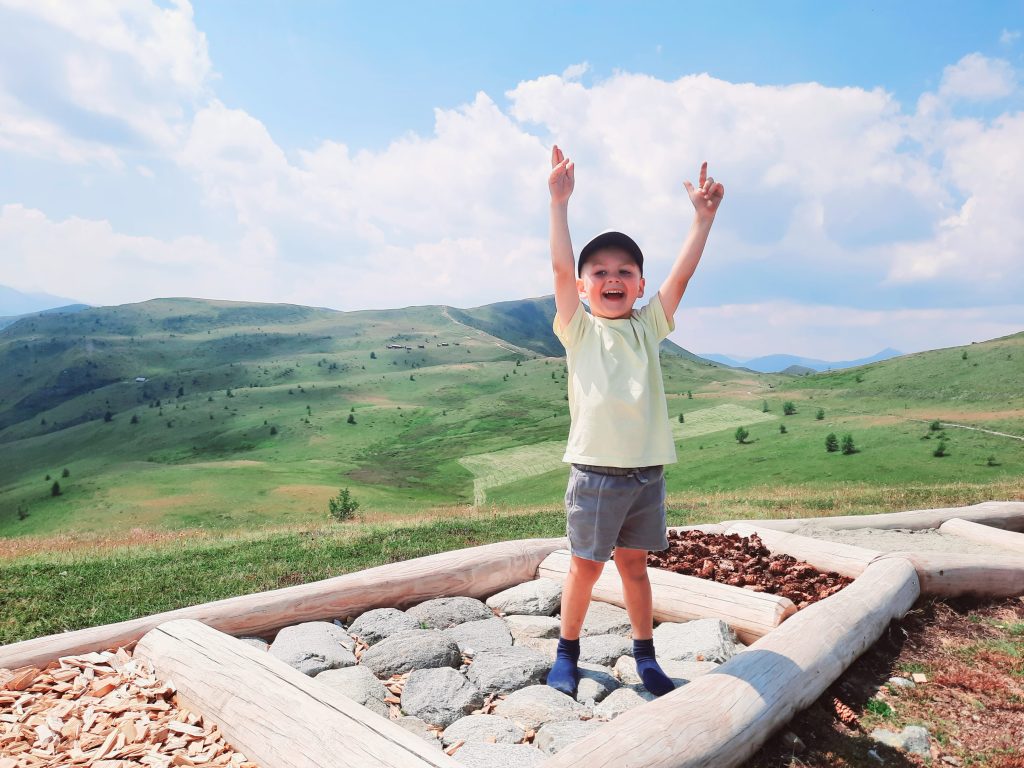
point(526, 323)
point(781, 363)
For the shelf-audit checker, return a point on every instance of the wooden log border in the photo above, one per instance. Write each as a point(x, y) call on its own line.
point(277, 716)
point(474, 572)
point(984, 534)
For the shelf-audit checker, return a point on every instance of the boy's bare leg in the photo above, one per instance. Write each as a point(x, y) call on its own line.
point(636, 588)
point(576, 592)
point(579, 584)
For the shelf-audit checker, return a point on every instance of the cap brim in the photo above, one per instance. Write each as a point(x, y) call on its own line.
point(611, 240)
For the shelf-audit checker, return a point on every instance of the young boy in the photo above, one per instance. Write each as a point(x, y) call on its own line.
point(620, 436)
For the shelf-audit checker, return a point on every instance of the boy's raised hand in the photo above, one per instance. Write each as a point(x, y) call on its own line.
point(707, 196)
point(562, 178)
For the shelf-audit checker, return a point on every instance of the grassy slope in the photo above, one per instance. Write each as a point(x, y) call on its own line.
point(418, 412)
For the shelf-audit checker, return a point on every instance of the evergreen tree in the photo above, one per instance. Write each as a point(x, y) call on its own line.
point(831, 442)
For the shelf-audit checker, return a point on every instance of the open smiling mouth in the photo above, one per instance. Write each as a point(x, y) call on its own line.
point(614, 294)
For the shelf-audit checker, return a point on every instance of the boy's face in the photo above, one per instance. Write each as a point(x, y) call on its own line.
point(611, 283)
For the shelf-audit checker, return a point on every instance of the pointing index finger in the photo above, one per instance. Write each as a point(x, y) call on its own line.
point(703, 173)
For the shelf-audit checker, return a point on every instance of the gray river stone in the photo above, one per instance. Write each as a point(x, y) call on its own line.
point(536, 705)
point(411, 649)
point(444, 612)
point(483, 635)
point(596, 682)
point(314, 647)
point(554, 737)
point(507, 669)
point(483, 728)
point(540, 597)
point(416, 726)
point(373, 626)
point(604, 649)
point(621, 699)
point(439, 696)
point(539, 627)
point(606, 619)
point(697, 640)
point(477, 754)
point(358, 684)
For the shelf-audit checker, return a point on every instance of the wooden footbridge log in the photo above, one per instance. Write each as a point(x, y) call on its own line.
point(720, 719)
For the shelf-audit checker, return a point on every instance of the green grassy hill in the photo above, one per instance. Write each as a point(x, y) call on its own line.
point(243, 417)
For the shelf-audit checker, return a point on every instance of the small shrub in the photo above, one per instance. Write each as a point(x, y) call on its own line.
point(741, 435)
point(689, 395)
point(831, 442)
point(788, 408)
point(55, 489)
point(859, 378)
point(66, 472)
point(935, 426)
point(991, 462)
point(343, 506)
point(764, 406)
point(108, 416)
point(135, 419)
point(848, 446)
point(681, 419)
point(820, 414)
point(782, 429)
point(351, 418)
point(273, 430)
point(963, 355)
point(373, 355)
point(940, 449)
point(878, 707)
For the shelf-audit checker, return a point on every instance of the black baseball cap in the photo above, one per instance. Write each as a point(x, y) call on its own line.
point(611, 240)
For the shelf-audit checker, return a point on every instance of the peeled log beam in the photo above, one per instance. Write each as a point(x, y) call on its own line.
point(999, 514)
point(723, 717)
point(824, 555)
point(277, 716)
point(682, 598)
point(952, 575)
point(984, 534)
point(474, 572)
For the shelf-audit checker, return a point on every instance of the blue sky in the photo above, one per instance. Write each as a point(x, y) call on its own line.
point(339, 155)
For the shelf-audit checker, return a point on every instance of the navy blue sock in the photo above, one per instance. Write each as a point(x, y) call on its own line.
point(655, 679)
point(564, 675)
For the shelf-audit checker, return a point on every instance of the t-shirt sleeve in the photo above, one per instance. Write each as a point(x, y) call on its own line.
point(574, 331)
point(653, 316)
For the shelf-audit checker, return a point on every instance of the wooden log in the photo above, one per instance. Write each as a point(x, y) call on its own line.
point(824, 555)
point(682, 598)
point(1000, 514)
point(702, 527)
point(474, 572)
point(723, 717)
point(952, 575)
point(984, 534)
point(274, 714)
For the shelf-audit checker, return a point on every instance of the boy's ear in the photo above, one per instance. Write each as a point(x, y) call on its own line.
point(580, 288)
point(643, 282)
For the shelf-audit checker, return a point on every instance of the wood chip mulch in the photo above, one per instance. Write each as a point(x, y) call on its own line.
point(105, 710)
point(745, 562)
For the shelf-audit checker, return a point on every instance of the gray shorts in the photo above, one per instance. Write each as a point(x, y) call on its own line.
point(615, 510)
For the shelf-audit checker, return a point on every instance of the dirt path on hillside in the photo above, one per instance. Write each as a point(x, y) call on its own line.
point(516, 350)
point(945, 424)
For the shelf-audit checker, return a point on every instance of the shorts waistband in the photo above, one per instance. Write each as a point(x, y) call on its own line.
point(617, 471)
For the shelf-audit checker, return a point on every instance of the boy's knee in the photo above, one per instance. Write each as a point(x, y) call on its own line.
point(580, 567)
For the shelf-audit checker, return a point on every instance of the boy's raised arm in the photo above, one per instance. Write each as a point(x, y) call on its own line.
point(706, 197)
point(563, 263)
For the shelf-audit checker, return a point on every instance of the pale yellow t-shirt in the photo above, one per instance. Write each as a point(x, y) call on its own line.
point(616, 393)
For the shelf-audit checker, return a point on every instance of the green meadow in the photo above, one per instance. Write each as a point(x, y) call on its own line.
point(251, 417)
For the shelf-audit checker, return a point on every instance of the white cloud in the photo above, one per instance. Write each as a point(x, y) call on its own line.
point(575, 71)
point(977, 78)
point(89, 80)
point(91, 262)
point(1009, 36)
point(830, 332)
